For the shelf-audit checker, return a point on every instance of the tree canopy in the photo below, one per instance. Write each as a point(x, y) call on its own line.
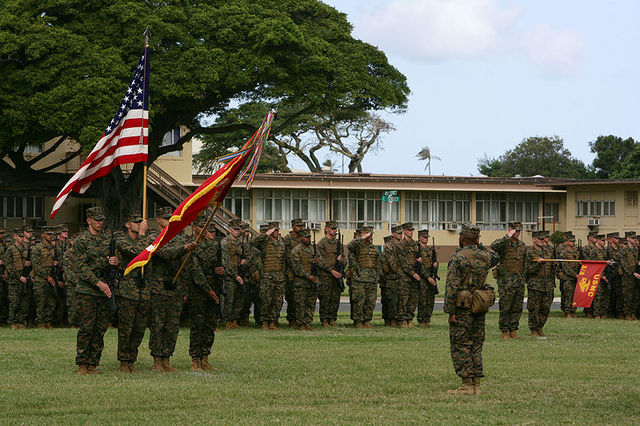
point(67, 63)
point(616, 158)
point(544, 156)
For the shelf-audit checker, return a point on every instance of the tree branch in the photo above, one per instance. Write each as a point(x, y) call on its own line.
point(48, 151)
point(61, 162)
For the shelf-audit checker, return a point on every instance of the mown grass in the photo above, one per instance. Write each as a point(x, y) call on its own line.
point(587, 371)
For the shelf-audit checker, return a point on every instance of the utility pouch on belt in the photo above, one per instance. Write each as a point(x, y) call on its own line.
point(482, 300)
point(464, 299)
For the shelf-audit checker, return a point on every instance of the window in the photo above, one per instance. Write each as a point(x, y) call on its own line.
point(594, 204)
point(433, 210)
point(239, 202)
point(495, 210)
point(551, 209)
point(33, 149)
point(282, 205)
point(354, 209)
point(23, 207)
point(171, 138)
point(631, 198)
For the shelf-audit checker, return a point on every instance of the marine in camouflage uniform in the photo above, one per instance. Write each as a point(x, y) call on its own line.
point(236, 281)
point(467, 270)
point(385, 283)
point(567, 273)
point(595, 251)
point(272, 284)
point(627, 259)
point(133, 293)
point(252, 296)
point(428, 287)
point(93, 312)
point(510, 280)
point(540, 284)
point(15, 261)
point(70, 283)
point(615, 308)
point(403, 266)
point(291, 240)
point(365, 265)
point(305, 282)
point(330, 280)
point(393, 276)
point(4, 286)
point(45, 286)
point(62, 246)
point(203, 307)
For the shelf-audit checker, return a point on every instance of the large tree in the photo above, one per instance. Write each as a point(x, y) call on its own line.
point(66, 63)
point(612, 159)
point(544, 156)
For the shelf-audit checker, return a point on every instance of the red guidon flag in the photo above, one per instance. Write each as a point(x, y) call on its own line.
point(124, 141)
point(212, 191)
point(587, 284)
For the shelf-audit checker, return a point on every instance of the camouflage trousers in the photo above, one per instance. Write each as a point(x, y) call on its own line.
point(18, 303)
point(71, 306)
point(362, 296)
point(511, 293)
point(133, 317)
point(290, 298)
point(402, 289)
point(252, 297)
point(329, 296)
point(305, 299)
point(234, 299)
point(412, 302)
point(466, 338)
point(426, 302)
point(616, 305)
point(271, 294)
point(164, 324)
point(630, 294)
point(93, 316)
point(45, 302)
point(384, 301)
point(4, 302)
point(202, 311)
point(539, 306)
point(392, 289)
point(567, 288)
point(601, 301)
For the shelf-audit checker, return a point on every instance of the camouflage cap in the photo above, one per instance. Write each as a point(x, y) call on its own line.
point(62, 228)
point(164, 212)
point(263, 228)
point(27, 229)
point(235, 224)
point(274, 225)
point(630, 234)
point(49, 230)
point(613, 235)
point(470, 229)
point(593, 228)
point(396, 229)
point(601, 236)
point(95, 213)
point(408, 226)
point(537, 235)
point(297, 222)
point(17, 231)
point(245, 226)
point(304, 233)
point(331, 224)
point(515, 225)
point(388, 238)
point(544, 234)
point(423, 233)
point(592, 234)
point(568, 236)
point(134, 216)
point(2, 231)
point(367, 230)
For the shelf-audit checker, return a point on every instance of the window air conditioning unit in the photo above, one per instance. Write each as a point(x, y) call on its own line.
point(594, 221)
point(529, 226)
point(450, 226)
point(315, 225)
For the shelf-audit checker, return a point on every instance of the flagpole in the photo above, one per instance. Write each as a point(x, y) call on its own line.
point(144, 173)
point(571, 260)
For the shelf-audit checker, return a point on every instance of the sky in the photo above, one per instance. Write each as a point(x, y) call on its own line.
point(486, 74)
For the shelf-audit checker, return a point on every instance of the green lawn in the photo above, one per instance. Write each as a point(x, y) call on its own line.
point(585, 372)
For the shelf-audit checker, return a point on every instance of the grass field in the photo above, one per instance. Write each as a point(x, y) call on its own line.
point(587, 371)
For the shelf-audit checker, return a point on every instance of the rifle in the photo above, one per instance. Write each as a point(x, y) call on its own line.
point(112, 280)
point(417, 267)
point(219, 279)
point(339, 266)
point(433, 270)
point(26, 270)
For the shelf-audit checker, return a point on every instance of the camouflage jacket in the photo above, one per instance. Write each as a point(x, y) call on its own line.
point(302, 258)
point(43, 256)
point(69, 267)
point(539, 276)
point(92, 262)
point(165, 264)
point(290, 241)
point(568, 270)
point(14, 258)
point(232, 250)
point(512, 254)
point(627, 260)
point(327, 253)
point(359, 251)
point(136, 284)
point(272, 255)
point(467, 270)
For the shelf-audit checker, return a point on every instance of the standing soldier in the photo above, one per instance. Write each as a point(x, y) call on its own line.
point(365, 264)
point(467, 271)
point(305, 280)
point(133, 294)
point(511, 279)
point(406, 254)
point(568, 274)
point(291, 240)
point(615, 292)
point(70, 282)
point(329, 286)
point(395, 276)
point(429, 286)
point(166, 296)
point(540, 284)
point(235, 279)
point(92, 293)
point(594, 251)
point(45, 282)
point(4, 286)
point(15, 260)
point(627, 259)
point(385, 269)
point(29, 240)
point(272, 285)
point(252, 296)
point(601, 300)
point(62, 246)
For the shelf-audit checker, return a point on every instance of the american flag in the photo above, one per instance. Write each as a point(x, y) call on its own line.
point(124, 141)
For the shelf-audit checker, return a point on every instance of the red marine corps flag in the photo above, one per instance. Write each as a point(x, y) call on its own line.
point(212, 191)
point(587, 284)
point(124, 141)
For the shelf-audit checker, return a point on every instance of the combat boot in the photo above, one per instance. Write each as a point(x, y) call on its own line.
point(403, 324)
point(540, 333)
point(229, 325)
point(132, 369)
point(157, 364)
point(367, 324)
point(21, 326)
point(387, 322)
point(41, 326)
point(91, 369)
point(48, 325)
point(325, 323)
point(628, 318)
point(82, 370)
point(476, 386)
point(293, 324)
point(124, 367)
point(308, 327)
point(357, 324)
point(465, 389)
point(332, 323)
point(425, 324)
point(394, 323)
point(196, 363)
point(166, 366)
point(409, 324)
point(205, 364)
point(272, 326)
point(302, 327)
point(535, 333)
point(14, 326)
point(505, 335)
point(513, 334)
point(244, 322)
point(265, 325)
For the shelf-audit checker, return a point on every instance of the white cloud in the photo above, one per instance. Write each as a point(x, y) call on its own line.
point(467, 29)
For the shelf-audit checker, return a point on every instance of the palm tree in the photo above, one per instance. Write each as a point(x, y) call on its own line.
point(425, 155)
point(329, 166)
